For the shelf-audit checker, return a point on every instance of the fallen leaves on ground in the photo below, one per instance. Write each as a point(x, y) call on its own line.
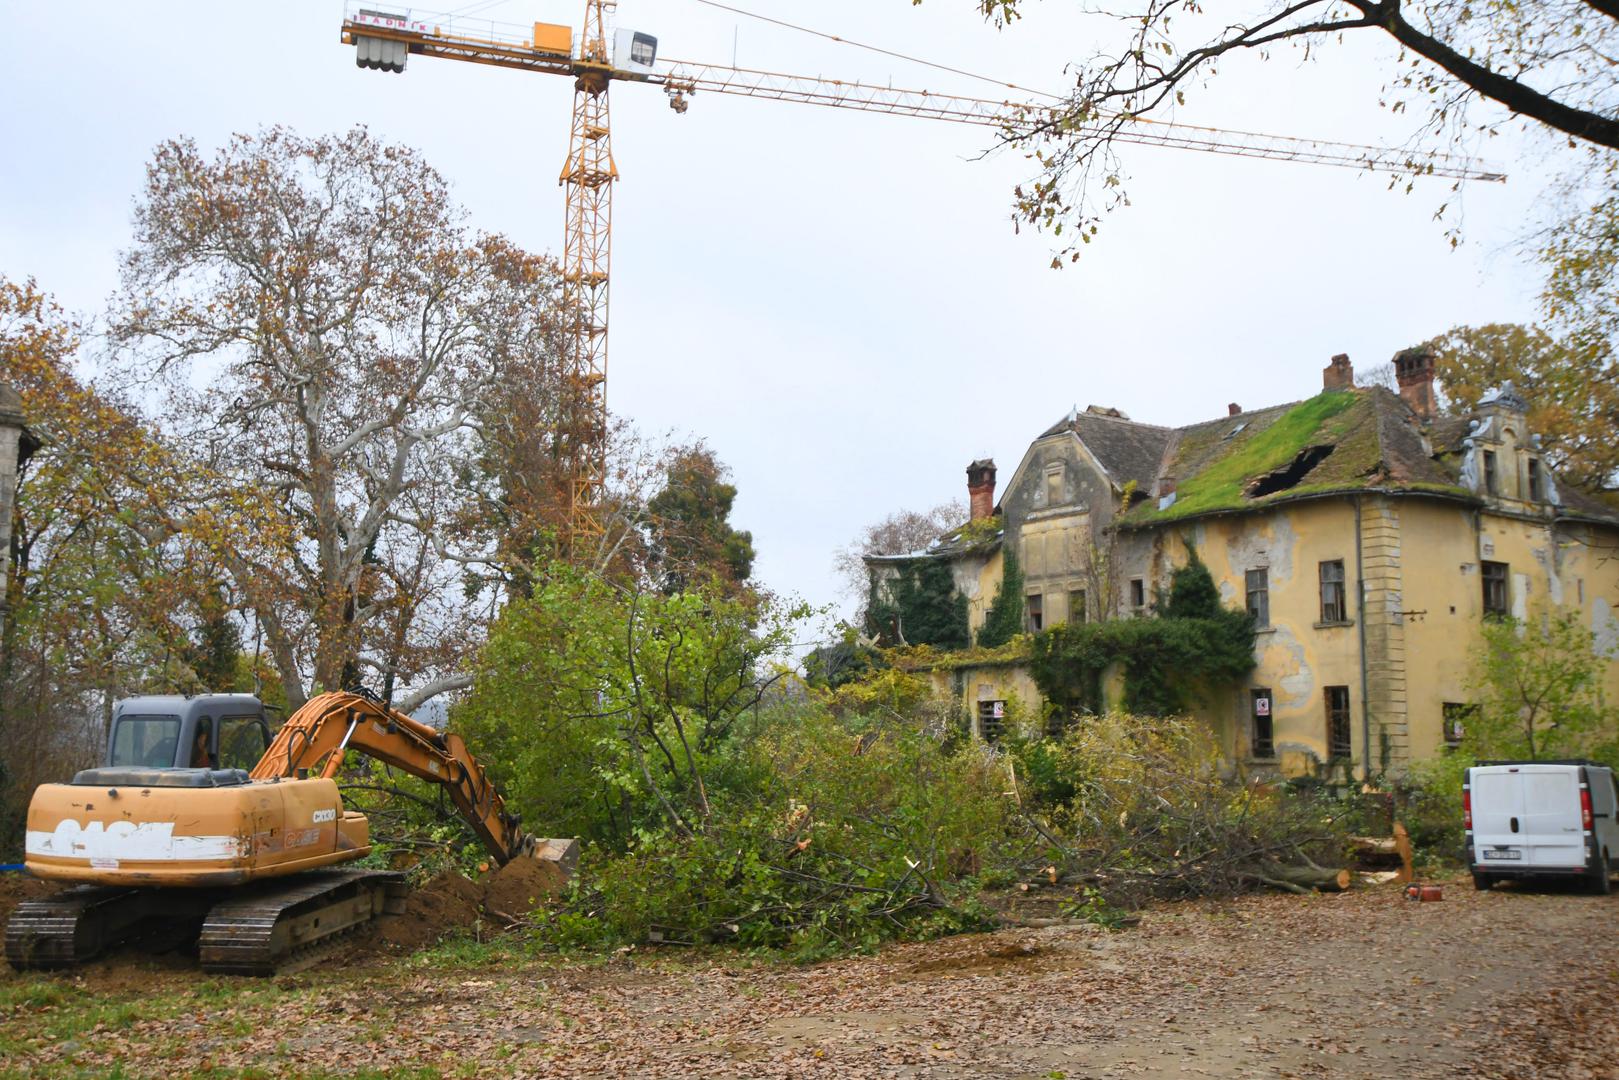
point(1511, 983)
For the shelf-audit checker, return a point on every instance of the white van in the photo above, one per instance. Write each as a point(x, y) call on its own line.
point(1529, 819)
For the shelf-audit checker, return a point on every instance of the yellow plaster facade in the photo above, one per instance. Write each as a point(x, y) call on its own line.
point(1414, 597)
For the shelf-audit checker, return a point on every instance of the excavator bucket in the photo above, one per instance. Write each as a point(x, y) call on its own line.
point(563, 854)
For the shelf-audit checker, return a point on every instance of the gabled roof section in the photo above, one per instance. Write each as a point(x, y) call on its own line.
point(1127, 450)
point(1338, 441)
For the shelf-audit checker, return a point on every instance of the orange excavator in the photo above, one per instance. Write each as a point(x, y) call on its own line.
point(164, 845)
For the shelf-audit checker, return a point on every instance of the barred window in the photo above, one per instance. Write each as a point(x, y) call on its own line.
point(1338, 727)
point(991, 720)
point(1264, 731)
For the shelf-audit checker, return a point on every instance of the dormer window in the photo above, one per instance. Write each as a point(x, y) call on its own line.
point(1054, 484)
point(1535, 484)
point(1491, 482)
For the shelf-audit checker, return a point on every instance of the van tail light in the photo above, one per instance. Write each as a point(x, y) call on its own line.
point(1467, 808)
point(1585, 809)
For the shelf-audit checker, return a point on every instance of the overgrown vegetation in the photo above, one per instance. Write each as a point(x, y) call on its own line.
point(724, 801)
point(1190, 640)
point(919, 605)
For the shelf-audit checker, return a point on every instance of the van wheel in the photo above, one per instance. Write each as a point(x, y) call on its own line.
point(1601, 883)
point(1482, 882)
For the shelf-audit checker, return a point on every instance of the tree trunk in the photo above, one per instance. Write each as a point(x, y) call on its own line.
point(1301, 879)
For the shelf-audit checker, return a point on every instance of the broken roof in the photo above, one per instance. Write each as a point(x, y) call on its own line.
point(1339, 441)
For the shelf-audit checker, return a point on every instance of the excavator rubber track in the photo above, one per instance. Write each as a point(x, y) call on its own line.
point(271, 927)
point(267, 928)
point(80, 924)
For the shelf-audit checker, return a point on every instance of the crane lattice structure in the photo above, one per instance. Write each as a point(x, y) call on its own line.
point(384, 41)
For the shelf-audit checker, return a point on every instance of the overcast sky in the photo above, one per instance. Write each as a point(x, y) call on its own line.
point(836, 301)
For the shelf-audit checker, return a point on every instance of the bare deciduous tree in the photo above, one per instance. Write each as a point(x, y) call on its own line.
point(900, 532)
point(334, 343)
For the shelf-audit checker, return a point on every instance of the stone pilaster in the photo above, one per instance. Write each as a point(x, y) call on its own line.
point(1385, 637)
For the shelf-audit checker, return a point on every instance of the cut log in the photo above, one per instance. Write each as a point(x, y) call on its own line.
point(1402, 844)
point(1301, 879)
point(1374, 850)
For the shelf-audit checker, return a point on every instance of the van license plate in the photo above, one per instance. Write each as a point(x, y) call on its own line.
point(1506, 853)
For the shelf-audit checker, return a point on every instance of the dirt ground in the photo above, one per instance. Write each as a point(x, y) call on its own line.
point(1511, 983)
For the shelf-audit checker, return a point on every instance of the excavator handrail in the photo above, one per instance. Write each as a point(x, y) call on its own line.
point(329, 725)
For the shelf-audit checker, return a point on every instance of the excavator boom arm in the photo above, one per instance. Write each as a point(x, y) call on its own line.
point(330, 725)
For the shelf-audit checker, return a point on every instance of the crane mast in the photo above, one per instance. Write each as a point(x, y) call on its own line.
point(385, 41)
point(587, 177)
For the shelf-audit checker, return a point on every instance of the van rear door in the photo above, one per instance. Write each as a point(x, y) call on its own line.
point(1527, 817)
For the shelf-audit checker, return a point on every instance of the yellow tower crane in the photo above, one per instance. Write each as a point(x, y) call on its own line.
point(384, 41)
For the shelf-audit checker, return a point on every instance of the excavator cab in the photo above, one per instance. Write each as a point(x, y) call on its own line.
point(210, 731)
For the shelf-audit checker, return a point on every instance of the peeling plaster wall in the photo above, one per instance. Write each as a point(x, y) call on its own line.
point(1295, 659)
point(977, 577)
point(1423, 605)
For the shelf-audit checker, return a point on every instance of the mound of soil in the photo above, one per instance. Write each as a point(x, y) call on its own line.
point(446, 903)
point(522, 885)
point(451, 902)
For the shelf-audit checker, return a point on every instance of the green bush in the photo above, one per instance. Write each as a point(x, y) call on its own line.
point(1430, 805)
point(857, 834)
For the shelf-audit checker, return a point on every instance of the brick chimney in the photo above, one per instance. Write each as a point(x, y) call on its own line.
point(981, 488)
point(1338, 375)
point(1233, 409)
point(1413, 368)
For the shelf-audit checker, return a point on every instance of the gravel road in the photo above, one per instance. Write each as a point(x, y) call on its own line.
point(1510, 983)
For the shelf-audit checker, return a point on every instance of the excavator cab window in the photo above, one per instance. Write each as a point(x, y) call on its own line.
point(145, 742)
point(203, 755)
point(242, 742)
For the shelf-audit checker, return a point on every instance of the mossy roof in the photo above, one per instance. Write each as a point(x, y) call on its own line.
point(1370, 437)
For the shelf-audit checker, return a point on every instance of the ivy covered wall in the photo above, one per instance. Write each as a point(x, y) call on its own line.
point(1189, 639)
point(919, 605)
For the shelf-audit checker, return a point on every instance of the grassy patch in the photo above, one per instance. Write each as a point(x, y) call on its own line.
point(33, 994)
point(1325, 418)
point(462, 950)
